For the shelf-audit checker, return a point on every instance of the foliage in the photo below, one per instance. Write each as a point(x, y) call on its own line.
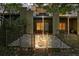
point(65, 8)
point(13, 6)
point(15, 29)
point(61, 8)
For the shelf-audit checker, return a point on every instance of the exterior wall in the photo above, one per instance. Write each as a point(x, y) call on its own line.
point(55, 23)
point(29, 22)
point(27, 16)
point(38, 10)
point(29, 27)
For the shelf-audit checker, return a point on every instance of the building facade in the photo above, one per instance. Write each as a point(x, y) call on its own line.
point(44, 26)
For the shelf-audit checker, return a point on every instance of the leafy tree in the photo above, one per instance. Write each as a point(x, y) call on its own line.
point(62, 8)
point(11, 26)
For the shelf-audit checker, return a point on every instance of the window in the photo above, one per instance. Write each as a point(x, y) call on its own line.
point(46, 26)
point(39, 26)
point(61, 26)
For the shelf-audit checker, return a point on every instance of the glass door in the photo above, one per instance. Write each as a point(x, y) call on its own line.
point(41, 30)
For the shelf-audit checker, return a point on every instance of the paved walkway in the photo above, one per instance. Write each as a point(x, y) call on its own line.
point(25, 41)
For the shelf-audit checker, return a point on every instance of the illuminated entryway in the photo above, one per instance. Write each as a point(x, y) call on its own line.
point(42, 31)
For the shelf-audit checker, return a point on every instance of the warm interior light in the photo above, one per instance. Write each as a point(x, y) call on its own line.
point(41, 41)
point(40, 26)
point(61, 26)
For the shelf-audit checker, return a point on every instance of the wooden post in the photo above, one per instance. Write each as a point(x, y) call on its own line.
point(68, 24)
point(78, 22)
point(43, 23)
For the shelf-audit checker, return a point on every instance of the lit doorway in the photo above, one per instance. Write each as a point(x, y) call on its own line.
point(42, 31)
